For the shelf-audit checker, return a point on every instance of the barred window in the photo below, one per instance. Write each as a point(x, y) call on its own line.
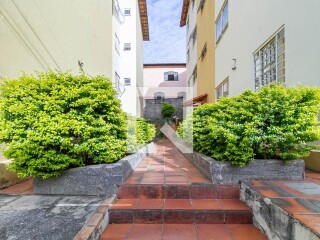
point(269, 62)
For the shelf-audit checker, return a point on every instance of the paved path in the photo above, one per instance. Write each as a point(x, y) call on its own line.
point(301, 199)
point(32, 217)
point(168, 198)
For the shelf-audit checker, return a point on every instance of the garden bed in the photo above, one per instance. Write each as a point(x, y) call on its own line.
point(95, 180)
point(225, 173)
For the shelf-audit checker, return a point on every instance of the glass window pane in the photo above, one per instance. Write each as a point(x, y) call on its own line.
point(225, 15)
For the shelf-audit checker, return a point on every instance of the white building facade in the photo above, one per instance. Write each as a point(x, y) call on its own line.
point(259, 42)
point(189, 19)
point(41, 34)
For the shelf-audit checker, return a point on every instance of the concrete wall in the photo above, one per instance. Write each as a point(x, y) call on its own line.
point(252, 23)
point(152, 109)
point(39, 34)
point(206, 36)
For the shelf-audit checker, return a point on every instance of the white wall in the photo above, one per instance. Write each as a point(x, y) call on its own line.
point(154, 81)
point(192, 16)
point(41, 34)
point(252, 23)
point(131, 61)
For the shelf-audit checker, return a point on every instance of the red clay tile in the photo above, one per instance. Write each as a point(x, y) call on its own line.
point(19, 188)
point(208, 217)
point(238, 217)
point(148, 216)
point(146, 232)
point(206, 204)
point(150, 204)
point(177, 191)
point(95, 220)
point(198, 179)
point(179, 232)
point(176, 180)
point(311, 221)
point(245, 232)
point(128, 192)
point(232, 204)
point(180, 216)
point(213, 232)
point(121, 216)
point(124, 204)
point(84, 233)
point(204, 191)
point(116, 232)
point(178, 204)
point(151, 191)
point(228, 191)
point(297, 205)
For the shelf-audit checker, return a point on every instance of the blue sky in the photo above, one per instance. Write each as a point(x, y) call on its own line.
point(167, 38)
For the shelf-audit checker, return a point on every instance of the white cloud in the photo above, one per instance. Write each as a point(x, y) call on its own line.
point(167, 39)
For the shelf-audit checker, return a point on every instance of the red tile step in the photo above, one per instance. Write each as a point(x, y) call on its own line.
point(178, 191)
point(180, 211)
point(182, 232)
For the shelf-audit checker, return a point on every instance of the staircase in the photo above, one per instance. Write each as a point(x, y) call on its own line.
point(167, 198)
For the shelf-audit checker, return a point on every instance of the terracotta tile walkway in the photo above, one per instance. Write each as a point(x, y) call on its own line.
point(166, 197)
point(301, 199)
point(23, 188)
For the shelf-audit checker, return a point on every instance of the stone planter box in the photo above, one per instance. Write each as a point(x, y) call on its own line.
point(224, 173)
point(8, 178)
point(313, 161)
point(94, 180)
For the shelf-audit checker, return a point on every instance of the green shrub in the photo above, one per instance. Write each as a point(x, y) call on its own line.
point(274, 123)
point(55, 121)
point(140, 132)
point(167, 110)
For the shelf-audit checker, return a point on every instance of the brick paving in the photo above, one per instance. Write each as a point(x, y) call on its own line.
point(301, 199)
point(166, 197)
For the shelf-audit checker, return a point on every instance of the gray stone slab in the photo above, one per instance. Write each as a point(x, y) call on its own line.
point(44, 217)
point(224, 173)
point(306, 188)
point(95, 180)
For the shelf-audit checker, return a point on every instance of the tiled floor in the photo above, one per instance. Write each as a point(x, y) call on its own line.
point(182, 232)
point(166, 197)
point(23, 188)
point(301, 199)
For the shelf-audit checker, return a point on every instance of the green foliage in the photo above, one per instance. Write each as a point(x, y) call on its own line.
point(54, 121)
point(140, 132)
point(274, 123)
point(167, 110)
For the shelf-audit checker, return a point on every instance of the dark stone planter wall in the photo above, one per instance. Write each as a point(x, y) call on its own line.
point(95, 180)
point(152, 109)
point(225, 173)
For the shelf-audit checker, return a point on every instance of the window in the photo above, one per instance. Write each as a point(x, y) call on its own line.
point(182, 95)
point(127, 81)
point(194, 75)
point(188, 25)
point(193, 36)
point(223, 89)
point(171, 76)
point(201, 5)
point(117, 43)
point(222, 21)
point(159, 97)
point(127, 12)
point(127, 47)
point(269, 62)
point(188, 56)
point(204, 51)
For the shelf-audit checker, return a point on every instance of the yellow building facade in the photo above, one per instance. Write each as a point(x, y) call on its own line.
point(206, 50)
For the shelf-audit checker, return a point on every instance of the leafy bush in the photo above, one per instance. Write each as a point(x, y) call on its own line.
point(54, 121)
point(140, 132)
point(167, 110)
point(274, 123)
